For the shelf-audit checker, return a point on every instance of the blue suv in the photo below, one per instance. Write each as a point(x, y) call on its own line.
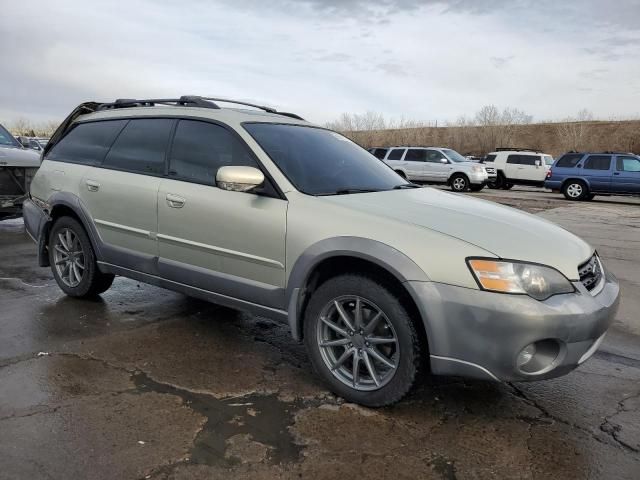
point(581, 176)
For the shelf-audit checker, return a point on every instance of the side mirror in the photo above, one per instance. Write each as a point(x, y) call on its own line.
point(444, 160)
point(239, 179)
point(538, 163)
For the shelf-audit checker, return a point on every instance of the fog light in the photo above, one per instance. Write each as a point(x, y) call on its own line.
point(525, 355)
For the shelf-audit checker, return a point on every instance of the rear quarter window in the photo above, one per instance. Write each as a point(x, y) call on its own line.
point(379, 152)
point(569, 160)
point(396, 154)
point(87, 143)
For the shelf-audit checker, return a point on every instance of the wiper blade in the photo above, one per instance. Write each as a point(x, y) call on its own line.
point(347, 191)
point(406, 185)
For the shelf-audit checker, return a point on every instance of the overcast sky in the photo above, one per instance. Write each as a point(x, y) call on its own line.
point(422, 60)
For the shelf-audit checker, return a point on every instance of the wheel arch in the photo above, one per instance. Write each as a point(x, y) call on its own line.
point(457, 172)
point(66, 204)
point(334, 256)
point(568, 179)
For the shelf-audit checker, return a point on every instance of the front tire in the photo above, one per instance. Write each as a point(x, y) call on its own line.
point(459, 183)
point(476, 188)
point(575, 190)
point(73, 261)
point(362, 341)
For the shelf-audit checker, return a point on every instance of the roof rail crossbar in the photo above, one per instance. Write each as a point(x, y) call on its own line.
point(186, 101)
point(189, 101)
point(260, 107)
point(517, 149)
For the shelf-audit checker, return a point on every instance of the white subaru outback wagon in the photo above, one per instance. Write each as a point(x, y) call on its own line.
point(262, 211)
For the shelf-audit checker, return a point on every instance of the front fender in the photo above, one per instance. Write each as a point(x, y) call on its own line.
point(392, 260)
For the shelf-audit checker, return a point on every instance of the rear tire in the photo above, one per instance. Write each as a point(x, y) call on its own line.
point(575, 190)
point(459, 183)
point(499, 181)
point(386, 353)
point(73, 261)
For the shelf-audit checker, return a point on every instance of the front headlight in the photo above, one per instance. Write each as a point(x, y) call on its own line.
point(537, 281)
point(477, 169)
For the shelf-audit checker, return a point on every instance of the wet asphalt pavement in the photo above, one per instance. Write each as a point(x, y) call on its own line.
point(147, 383)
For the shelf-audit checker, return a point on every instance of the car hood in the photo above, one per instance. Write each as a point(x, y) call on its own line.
point(503, 231)
point(18, 157)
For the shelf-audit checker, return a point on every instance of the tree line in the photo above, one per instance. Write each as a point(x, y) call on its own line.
point(490, 128)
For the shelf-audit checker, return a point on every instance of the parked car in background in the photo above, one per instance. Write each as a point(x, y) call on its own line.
point(265, 212)
point(582, 176)
point(34, 143)
point(378, 152)
point(518, 167)
point(439, 165)
point(18, 165)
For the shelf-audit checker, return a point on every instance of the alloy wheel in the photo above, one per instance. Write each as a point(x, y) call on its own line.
point(69, 257)
point(459, 184)
point(358, 343)
point(574, 190)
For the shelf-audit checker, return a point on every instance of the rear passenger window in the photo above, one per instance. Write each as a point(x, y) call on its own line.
point(87, 143)
point(396, 154)
point(529, 159)
point(490, 158)
point(415, 155)
point(514, 159)
point(199, 149)
point(598, 162)
point(141, 147)
point(569, 160)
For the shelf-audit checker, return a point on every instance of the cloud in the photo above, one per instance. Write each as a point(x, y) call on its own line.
point(501, 62)
point(404, 58)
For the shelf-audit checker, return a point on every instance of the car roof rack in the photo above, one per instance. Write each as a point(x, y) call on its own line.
point(188, 101)
point(517, 149)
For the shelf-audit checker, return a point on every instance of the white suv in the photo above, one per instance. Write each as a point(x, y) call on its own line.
point(519, 167)
point(439, 165)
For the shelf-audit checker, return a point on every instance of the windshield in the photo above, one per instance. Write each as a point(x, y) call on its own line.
point(322, 162)
point(454, 156)
point(7, 139)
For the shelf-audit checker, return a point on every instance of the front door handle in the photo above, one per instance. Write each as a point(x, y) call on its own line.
point(175, 201)
point(92, 185)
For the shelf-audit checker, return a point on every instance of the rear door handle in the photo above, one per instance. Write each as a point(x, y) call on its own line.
point(92, 185)
point(175, 201)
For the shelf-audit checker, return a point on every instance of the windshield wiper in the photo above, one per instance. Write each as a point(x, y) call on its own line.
point(406, 185)
point(347, 191)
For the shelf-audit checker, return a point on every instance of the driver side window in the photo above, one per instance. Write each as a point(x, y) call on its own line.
point(199, 149)
point(434, 156)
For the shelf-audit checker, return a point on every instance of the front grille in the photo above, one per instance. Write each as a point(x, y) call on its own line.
point(590, 273)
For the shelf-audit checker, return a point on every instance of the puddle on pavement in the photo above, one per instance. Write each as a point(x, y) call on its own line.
point(265, 418)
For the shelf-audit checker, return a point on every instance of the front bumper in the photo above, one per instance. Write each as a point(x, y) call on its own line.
point(479, 334)
point(478, 178)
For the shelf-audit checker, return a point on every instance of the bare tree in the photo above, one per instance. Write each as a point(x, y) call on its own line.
point(572, 131)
